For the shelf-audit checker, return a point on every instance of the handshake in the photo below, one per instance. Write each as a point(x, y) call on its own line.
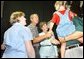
point(51, 37)
point(50, 33)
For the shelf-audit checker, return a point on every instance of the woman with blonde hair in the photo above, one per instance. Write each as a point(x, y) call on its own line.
point(17, 38)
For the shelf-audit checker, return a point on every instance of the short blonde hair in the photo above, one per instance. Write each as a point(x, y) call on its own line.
point(32, 15)
point(60, 3)
point(42, 23)
point(15, 15)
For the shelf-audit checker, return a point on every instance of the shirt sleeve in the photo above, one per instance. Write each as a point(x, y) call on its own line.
point(26, 34)
point(55, 19)
point(6, 38)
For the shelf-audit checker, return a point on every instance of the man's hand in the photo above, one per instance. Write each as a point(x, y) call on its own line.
point(48, 34)
point(62, 40)
point(3, 46)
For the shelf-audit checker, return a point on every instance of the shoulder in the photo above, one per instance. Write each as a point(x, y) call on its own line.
point(29, 26)
point(27, 29)
point(7, 31)
point(55, 12)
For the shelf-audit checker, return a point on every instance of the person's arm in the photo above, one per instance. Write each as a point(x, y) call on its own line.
point(54, 20)
point(73, 36)
point(42, 37)
point(72, 14)
point(51, 25)
point(30, 49)
point(55, 41)
point(27, 37)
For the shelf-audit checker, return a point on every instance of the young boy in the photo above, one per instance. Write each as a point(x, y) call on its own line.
point(47, 49)
point(65, 27)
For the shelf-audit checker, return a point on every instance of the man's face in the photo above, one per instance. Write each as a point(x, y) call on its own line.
point(35, 19)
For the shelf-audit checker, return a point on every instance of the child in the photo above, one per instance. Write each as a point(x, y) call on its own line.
point(47, 49)
point(63, 18)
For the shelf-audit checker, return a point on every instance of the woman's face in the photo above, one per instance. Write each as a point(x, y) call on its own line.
point(22, 20)
point(45, 27)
